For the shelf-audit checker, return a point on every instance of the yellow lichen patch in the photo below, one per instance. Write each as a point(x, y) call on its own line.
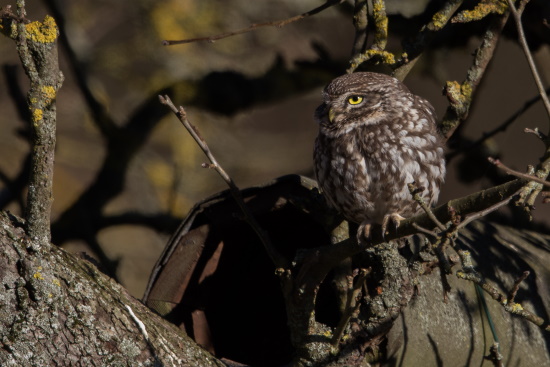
point(45, 32)
point(466, 90)
point(327, 333)
point(387, 57)
point(481, 10)
point(516, 308)
point(37, 115)
point(454, 92)
point(378, 6)
point(56, 282)
point(48, 93)
point(439, 20)
point(38, 276)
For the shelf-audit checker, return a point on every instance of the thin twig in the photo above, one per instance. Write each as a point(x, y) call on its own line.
point(495, 356)
point(532, 190)
point(502, 127)
point(470, 218)
point(518, 174)
point(511, 307)
point(523, 41)
point(277, 258)
point(424, 230)
point(415, 192)
point(536, 132)
point(252, 27)
point(515, 288)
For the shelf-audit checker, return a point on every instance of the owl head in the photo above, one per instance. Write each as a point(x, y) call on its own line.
point(358, 99)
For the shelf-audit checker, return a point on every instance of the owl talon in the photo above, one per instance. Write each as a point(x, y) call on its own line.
point(395, 218)
point(363, 233)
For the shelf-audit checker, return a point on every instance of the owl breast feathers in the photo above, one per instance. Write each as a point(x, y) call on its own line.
point(374, 138)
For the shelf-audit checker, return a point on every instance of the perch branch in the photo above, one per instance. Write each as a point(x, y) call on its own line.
point(253, 27)
point(277, 259)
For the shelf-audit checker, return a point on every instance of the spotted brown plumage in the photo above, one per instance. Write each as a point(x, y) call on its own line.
point(375, 137)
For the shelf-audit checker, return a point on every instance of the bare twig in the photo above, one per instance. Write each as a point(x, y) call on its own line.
point(253, 27)
point(415, 192)
point(511, 307)
point(516, 13)
point(515, 288)
point(474, 216)
point(277, 258)
point(536, 132)
point(495, 356)
point(518, 174)
point(424, 230)
point(503, 126)
point(531, 191)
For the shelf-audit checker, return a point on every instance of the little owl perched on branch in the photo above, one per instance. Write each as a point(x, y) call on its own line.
point(374, 138)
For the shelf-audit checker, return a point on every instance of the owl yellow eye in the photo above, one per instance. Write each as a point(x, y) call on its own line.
point(355, 99)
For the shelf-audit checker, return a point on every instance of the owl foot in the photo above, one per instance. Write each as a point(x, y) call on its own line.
point(395, 218)
point(363, 233)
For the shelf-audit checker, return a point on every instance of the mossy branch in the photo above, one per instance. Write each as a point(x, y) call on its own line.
point(37, 47)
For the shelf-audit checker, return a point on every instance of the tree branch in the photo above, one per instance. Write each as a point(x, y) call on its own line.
point(518, 174)
point(414, 49)
point(461, 95)
point(277, 258)
point(378, 47)
point(509, 306)
point(253, 27)
point(37, 47)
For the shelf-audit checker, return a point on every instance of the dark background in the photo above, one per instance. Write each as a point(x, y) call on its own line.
point(259, 128)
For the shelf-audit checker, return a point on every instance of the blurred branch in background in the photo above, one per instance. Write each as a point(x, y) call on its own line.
point(253, 27)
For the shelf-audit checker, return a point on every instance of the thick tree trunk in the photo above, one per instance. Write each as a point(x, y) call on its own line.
point(57, 309)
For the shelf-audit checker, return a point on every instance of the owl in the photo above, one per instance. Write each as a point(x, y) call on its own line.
point(375, 137)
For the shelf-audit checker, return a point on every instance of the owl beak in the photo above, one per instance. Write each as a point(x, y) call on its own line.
point(331, 114)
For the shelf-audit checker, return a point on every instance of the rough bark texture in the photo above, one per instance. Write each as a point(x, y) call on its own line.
point(432, 332)
point(404, 315)
point(56, 309)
